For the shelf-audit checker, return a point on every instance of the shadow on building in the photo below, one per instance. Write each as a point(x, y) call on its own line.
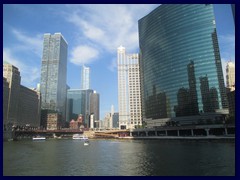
point(158, 105)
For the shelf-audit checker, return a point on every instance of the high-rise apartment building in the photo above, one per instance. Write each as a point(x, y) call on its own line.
point(230, 75)
point(85, 79)
point(54, 73)
point(129, 96)
point(180, 64)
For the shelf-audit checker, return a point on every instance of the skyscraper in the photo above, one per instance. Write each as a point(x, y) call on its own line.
point(78, 102)
point(180, 64)
point(129, 96)
point(54, 73)
point(21, 105)
point(94, 106)
point(85, 79)
point(230, 75)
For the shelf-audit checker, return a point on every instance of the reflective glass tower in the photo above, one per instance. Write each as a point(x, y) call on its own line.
point(180, 64)
point(85, 82)
point(78, 102)
point(54, 73)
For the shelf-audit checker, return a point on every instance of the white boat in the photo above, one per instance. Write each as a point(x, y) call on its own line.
point(39, 138)
point(80, 137)
point(86, 143)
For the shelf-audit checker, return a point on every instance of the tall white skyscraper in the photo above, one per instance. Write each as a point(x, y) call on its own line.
point(85, 81)
point(129, 95)
point(230, 75)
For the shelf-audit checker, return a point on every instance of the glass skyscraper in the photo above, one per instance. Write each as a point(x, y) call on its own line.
point(78, 102)
point(94, 105)
point(85, 80)
point(180, 64)
point(54, 73)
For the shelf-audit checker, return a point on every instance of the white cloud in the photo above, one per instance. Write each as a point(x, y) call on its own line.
point(109, 26)
point(83, 55)
point(29, 74)
point(227, 51)
point(28, 43)
point(227, 46)
point(89, 30)
point(7, 56)
point(105, 27)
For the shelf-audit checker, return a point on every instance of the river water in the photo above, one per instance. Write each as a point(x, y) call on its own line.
point(67, 157)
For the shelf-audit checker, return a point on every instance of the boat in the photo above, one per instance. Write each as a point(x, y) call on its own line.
point(39, 138)
point(86, 143)
point(57, 137)
point(80, 137)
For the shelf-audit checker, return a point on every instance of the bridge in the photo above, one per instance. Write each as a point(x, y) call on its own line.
point(178, 131)
point(21, 133)
point(47, 133)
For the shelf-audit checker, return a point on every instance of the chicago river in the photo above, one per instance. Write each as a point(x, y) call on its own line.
point(115, 157)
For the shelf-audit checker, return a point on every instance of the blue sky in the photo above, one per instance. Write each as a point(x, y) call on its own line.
point(93, 33)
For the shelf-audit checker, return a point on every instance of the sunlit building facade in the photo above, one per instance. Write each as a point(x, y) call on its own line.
point(13, 78)
point(85, 79)
point(230, 75)
point(180, 64)
point(129, 95)
point(21, 105)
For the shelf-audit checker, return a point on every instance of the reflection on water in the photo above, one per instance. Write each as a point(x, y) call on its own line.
point(118, 157)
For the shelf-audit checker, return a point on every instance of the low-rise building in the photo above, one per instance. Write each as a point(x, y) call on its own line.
point(76, 124)
point(28, 111)
point(53, 121)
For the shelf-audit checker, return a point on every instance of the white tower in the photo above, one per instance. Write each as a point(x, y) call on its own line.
point(85, 81)
point(129, 97)
point(230, 75)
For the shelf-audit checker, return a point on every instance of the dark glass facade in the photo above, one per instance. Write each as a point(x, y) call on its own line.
point(180, 64)
point(94, 105)
point(78, 102)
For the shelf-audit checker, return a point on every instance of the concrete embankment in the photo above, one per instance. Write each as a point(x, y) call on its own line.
point(232, 138)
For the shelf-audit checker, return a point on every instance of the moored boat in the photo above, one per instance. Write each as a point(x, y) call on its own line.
point(80, 137)
point(39, 138)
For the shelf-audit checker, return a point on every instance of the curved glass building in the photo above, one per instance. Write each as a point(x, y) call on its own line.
point(180, 64)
